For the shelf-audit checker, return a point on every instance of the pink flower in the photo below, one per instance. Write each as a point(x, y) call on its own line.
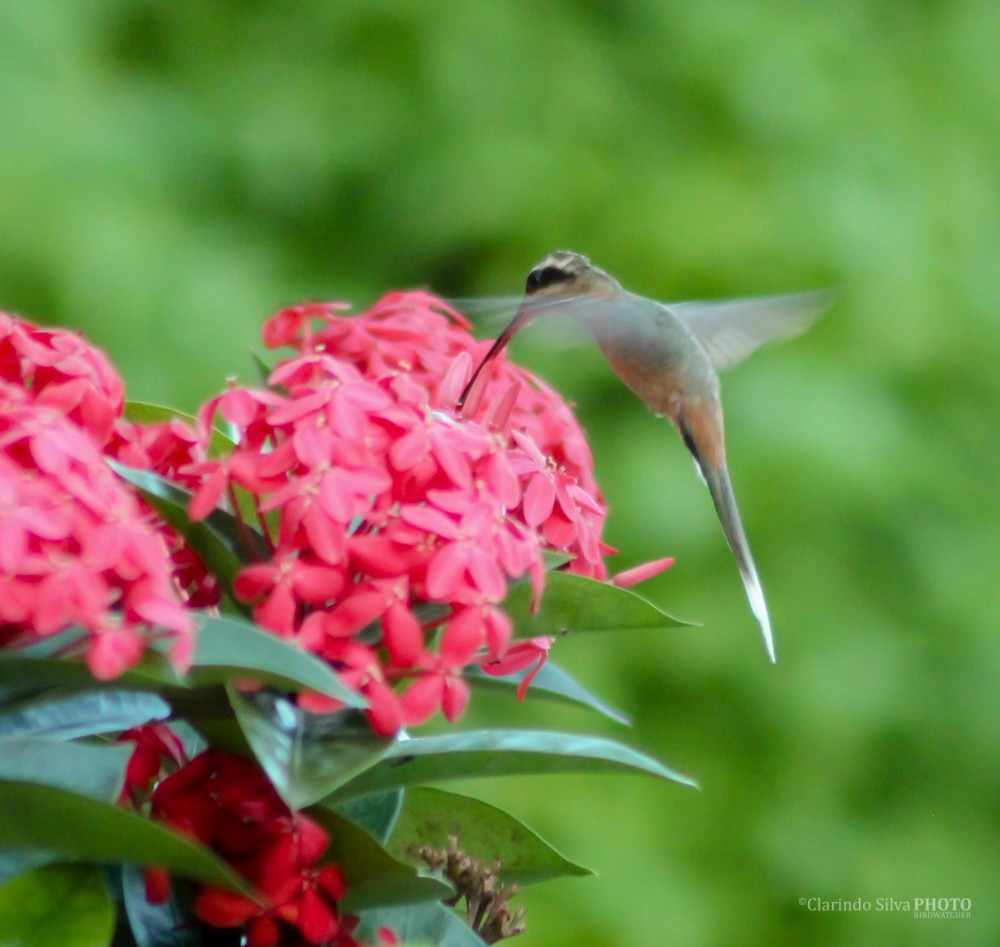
point(640, 573)
point(75, 548)
point(464, 569)
point(283, 584)
point(62, 370)
point(534, 651)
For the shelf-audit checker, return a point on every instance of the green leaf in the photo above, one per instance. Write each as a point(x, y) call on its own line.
point(95, 771)
point(141, 412)
point(56, 906)
point(221, 442)
point(229, 649)
point(376, 814)
point(306, 756)
point(13, 864)
point(501, 753)
point(220, 540)
point(554, 560)
point(487, 833)
point(573, 603)
point(169, 924)
point(417, 925)
point(551, 682)
point(262, 369)
point(80, 715)
point(39, 817)
point(37, 673)
point(226, 650)
point(374, 877)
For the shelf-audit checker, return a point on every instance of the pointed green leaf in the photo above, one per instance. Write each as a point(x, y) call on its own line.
point(80, 715)
point(552, 560)
point(38, 668)
point(374, 877)
point(31, 675)
point(551, 682)
point(487, 833)
point(56, 906)
point(306, 756)
point(573, 603)
point(228, 649)
point(96, 771)
point(142, 412)
point(419, 925)
point(39, 817)
point(262, 369)
point(501, 753)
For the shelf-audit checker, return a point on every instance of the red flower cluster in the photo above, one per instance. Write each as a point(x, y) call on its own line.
point(75, 547)
point(227, 804)
point(395, 525)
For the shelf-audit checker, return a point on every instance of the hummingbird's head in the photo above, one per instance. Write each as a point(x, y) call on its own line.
point(562, 282)
point(564, 274)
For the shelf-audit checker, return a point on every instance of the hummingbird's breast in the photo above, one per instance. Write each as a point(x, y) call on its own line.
point(655, 355)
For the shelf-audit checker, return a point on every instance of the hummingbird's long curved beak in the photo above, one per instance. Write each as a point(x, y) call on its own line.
point(526, 313)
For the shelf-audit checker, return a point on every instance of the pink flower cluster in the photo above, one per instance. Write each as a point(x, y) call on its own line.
point(75, 547)
point(396, 525)
point(62, 371)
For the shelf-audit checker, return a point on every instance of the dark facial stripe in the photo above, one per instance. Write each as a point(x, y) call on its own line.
point(545, 276)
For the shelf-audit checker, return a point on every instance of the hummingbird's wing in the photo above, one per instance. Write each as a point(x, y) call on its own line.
point(486, 307)
point(491, 314)
point(729, 330)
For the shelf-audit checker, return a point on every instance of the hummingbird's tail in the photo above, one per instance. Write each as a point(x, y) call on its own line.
point(721, 488)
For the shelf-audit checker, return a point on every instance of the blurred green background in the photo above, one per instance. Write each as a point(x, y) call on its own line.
point(170, 174)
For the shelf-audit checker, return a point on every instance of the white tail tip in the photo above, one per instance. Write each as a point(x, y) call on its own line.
point(756, 596)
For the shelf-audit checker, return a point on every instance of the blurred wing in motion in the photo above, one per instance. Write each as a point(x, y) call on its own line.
point(490, 315)
point(729, 330)
point(484, 310)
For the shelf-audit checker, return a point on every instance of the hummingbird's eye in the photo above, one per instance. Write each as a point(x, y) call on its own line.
point(546, 276)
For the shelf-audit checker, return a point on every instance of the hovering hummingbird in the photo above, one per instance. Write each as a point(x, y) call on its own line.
point(669, 355)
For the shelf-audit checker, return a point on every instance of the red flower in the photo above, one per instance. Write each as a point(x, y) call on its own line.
point(229, 805)
point(154, 744)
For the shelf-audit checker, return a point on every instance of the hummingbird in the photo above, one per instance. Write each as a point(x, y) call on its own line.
point(670, 356)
